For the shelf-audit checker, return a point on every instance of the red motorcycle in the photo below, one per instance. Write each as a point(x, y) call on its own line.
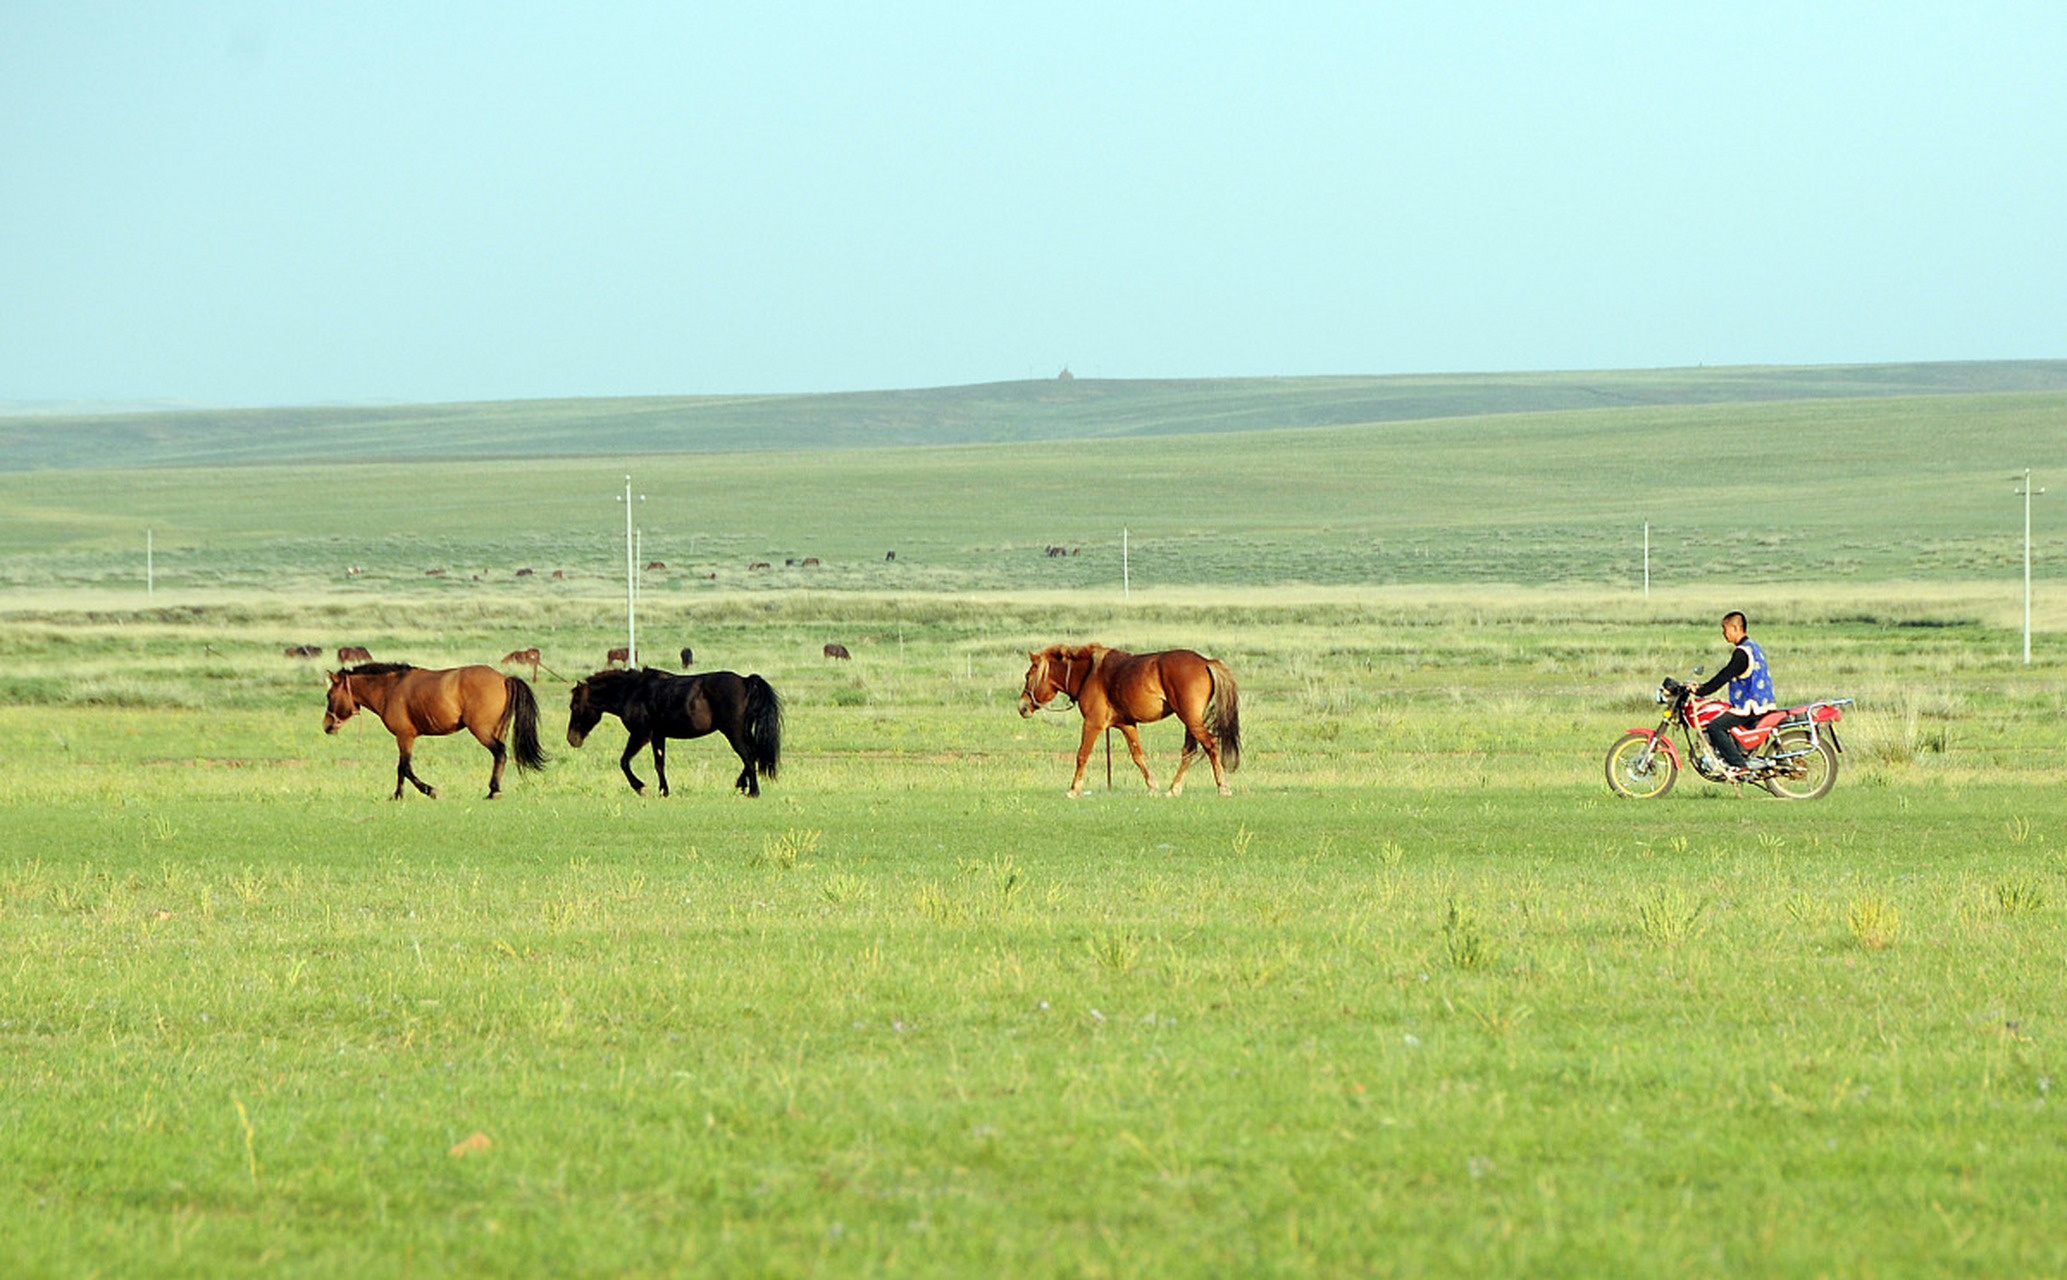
point(1793, 751)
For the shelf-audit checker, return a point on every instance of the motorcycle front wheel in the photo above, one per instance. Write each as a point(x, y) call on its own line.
point(1639, 769)
point(1808, 777)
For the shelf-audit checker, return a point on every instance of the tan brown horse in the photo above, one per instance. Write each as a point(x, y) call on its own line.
point(1112, 688)
point(413, 702)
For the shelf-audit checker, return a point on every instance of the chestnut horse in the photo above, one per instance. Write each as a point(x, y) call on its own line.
point(1111, 688)
point(413, 702)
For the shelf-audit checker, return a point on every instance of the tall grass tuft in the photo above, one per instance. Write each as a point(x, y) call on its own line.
point(1115, 952)
point(2019, 896)
point(1668, 917)
point(786, 852)
point(840, 888)
point(1466, 946)
point(1874, 921)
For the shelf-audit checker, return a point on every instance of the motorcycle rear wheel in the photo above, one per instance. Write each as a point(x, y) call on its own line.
point(1632, 775)
point(1811, 776)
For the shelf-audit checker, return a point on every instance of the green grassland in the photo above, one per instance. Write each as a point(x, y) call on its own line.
point(1420, 999)
point(1911, 489)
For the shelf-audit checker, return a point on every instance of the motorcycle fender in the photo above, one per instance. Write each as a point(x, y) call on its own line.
point(1664, 743)
point(1830, 733)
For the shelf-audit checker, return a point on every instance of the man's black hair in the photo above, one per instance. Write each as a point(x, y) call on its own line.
point(1741, 621)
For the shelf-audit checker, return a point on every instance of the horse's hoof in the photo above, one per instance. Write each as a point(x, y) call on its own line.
point(1074, 792)
point(495, 795)
point(1227, 791)
point(430, 793)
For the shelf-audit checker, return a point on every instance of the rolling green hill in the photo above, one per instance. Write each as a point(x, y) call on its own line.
point(995, 413)
point(1833, 490)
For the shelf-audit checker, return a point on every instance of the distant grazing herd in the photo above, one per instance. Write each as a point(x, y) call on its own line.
point(1050, 550)
point(656, 566)
point(524, 657)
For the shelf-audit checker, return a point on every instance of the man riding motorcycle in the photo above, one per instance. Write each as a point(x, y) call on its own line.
point(1750, 693)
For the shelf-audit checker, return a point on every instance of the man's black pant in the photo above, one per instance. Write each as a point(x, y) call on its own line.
point(1725, 744)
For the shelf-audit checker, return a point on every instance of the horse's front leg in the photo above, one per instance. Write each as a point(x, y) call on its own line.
point(1133, 737)
point(1091, 731)
point(633, 745)
point(404, 748)
point(660, 763)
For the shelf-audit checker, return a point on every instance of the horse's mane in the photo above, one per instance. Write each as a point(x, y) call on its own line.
point(615, 680)
point(379, 668)
point(1076, 652)
point(611, 677)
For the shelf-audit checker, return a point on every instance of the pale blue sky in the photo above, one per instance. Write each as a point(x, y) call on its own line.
point(251, 203)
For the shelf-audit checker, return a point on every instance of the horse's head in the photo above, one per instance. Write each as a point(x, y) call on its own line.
point(1045, 672)
point(341, 703)
point(583, 714)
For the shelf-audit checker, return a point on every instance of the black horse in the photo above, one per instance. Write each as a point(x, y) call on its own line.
point(656, 706)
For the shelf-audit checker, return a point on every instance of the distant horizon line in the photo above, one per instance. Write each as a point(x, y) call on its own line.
point(47, 407)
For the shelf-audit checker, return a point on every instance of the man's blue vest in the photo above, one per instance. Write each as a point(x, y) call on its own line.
point(1752, 691)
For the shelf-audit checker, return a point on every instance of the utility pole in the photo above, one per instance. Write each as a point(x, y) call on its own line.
point(631, 580)
point(2026, 493)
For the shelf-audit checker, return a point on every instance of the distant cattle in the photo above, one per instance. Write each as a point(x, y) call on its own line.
point(433, 573)
point(688, 656)
point(790, 563)
point(302, 651)
point(352, 653)
point(1057, 551)
point(558, 574)
point(657, 564)
point(353, 571)
point(837, 651)
point(889, 555)
point(617, 658)
point(810, 562)
point(525, 573)
point(758, 564)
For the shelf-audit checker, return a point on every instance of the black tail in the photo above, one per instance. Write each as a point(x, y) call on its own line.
point(520, 724)
point(1226, 713)
point(764, 725)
